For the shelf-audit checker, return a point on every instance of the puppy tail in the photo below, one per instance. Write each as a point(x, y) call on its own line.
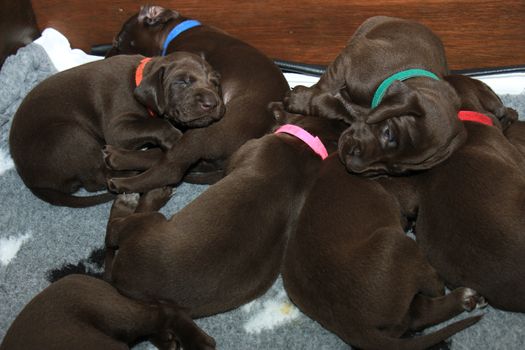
point(66, 200)
point(424, 341)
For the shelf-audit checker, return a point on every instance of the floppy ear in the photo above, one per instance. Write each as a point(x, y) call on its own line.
point(150, 91)
point(494, 107)
point(152, 15)
point(278, 111)
point(399, 100)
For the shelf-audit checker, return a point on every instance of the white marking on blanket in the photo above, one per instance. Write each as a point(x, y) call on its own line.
point(10, 246)
point(272, 313)
point(6, 162)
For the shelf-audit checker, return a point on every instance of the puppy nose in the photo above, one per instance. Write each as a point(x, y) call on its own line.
point(354, 150)
point(206, 102)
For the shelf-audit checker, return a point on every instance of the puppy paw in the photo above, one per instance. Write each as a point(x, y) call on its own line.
point(108, 157)
point(128, 200)
point(472, 300)
point(117, 185)
point(166, 340)
point(298, 100)
point(156, 198)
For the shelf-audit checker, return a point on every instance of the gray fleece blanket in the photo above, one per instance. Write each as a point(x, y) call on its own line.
point(40, 242)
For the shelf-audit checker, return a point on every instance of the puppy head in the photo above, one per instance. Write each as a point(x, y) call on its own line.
point(143, 33)
point(412, 129)
point(183, 88)
point(477, 96)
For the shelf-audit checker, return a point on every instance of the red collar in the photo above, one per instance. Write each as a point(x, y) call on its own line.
point(477, 117)
point(138, 77)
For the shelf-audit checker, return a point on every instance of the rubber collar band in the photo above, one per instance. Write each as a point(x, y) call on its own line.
point(403, 75)
point(477, 117)
point(313, 141)
point(139, 73)
point(177, 30)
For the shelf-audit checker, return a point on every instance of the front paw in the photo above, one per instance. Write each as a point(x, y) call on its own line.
point(109, 157)
point(472, 300)
point(156, 198)
point(298, 99)
point(119, 185)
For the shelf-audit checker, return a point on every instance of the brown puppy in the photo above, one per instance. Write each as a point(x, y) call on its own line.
point(478, 96)
point(396, 126)
point(249, 80)
point(61, 126)
point(470, 208)
point(82, 312)
point(226, 247)
point(350, 266)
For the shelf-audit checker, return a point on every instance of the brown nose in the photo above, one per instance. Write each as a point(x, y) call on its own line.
point(207, 102)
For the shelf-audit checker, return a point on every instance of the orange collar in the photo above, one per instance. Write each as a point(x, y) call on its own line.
point(138, 77)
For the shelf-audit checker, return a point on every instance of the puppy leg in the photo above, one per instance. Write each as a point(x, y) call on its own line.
point(123, 206)
point(179, 330)
point(117, 158)
point(154, 200)
point(129, 213)
point(425, 311)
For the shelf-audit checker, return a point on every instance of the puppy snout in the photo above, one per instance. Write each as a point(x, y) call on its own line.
point(354, 147)
point(207, 102)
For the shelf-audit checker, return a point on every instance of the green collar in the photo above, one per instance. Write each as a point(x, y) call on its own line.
point(403, 75)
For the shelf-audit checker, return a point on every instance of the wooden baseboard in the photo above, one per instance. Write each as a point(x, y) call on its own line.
point(476, 34)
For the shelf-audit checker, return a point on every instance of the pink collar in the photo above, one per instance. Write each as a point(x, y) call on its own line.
point(472, 116)
point(313, 141)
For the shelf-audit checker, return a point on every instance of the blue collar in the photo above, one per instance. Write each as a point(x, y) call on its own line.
point(403, 75)
point(178, 29)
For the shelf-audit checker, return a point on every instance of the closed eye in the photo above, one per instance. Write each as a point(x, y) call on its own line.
point(184, 81)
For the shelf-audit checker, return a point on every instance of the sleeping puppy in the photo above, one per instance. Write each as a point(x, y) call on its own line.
point(82, 312)
point(249, 80)
point(226, 247)
point(350, 266)
point(389, 79)
point(470, 208)
point(478, 96)
point(62, 125)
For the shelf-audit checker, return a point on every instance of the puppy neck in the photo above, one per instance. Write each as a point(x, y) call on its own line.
point(403, 75)
point(139, 73)
point(177, 30)
point(312, 141)
point(477, 117)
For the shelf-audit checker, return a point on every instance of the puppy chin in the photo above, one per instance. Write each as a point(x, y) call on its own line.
point(199, 122)
point(368, 172)
point(374, 170)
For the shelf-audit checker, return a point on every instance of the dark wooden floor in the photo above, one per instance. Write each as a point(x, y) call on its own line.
point(476, 34)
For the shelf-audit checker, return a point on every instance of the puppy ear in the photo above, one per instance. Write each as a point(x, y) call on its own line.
point(150, 91)
point(152, 15)
point(277, 109)
point(399, 100)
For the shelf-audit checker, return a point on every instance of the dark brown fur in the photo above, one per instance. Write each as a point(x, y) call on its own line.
point(350, 267)
point(249, 79)
point(415, 126)
point(470, 208)
point(84, 313)
point(62, 125)
point(226, 247)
